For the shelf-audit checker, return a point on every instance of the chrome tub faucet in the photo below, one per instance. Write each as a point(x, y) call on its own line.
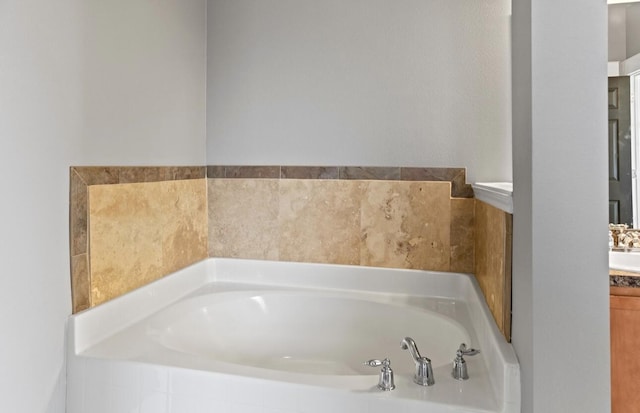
point(424, 371)
point(459, 371)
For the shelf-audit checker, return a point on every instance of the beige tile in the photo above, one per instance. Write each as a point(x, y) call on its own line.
point(320, 221)
point(406, 225)
point(185, 230)
point(135, 229)
point(462, 235)
point(492, 255)
point(125, 231)
point(243, 218)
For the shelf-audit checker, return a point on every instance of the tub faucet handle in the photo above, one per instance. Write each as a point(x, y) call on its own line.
point(424, 371)
point(459, 371)
point(385, 382)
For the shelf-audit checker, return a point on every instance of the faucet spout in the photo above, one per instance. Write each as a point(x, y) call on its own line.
point(424, 371)
point(409, 344)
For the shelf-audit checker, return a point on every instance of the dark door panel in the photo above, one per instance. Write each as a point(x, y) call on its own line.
point(620, 200)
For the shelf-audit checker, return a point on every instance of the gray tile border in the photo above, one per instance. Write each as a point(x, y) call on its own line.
point(376, 173)
point(247, 172)
point(309, 172)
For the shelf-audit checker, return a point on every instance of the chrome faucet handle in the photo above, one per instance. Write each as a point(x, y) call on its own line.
point(385, 381)
point(424, 371)
point(459, 371)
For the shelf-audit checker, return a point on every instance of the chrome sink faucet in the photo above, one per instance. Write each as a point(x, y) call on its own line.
point(424, 371)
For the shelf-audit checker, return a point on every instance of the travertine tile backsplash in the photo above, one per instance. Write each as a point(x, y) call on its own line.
point(397, 224)
point(144, 231)
point(130, 226)
point(131, 205)
point(493, 251)
point(319, 221)
point(246, 218)
point(407, 225)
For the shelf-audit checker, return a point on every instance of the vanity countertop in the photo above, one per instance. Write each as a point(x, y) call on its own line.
point(628, 279)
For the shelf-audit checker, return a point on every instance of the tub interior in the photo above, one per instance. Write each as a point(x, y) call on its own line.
point(294, 330)
point(306, 332)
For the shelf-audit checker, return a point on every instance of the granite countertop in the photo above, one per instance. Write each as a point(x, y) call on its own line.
point(619, 278)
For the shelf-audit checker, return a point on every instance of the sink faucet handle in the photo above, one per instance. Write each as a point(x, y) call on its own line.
point(385, 382)
point(459, 371)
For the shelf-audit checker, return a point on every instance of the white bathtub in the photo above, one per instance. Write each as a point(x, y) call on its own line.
point(257, 336)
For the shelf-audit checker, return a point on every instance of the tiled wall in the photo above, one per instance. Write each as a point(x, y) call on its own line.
point(494, 232)
point(144, 230)
point(398, 224)
point(381, 216)
point(130, 226)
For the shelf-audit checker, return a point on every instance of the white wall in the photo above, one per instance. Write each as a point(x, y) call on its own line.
point(381, 83)
point(633, 29)
point(624, 31)
point(144, 82)
point(560, 288)
point(60, 107)
point(40, 122)
point(617, 32)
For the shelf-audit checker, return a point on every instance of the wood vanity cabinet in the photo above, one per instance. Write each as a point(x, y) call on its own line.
point(625, 349)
